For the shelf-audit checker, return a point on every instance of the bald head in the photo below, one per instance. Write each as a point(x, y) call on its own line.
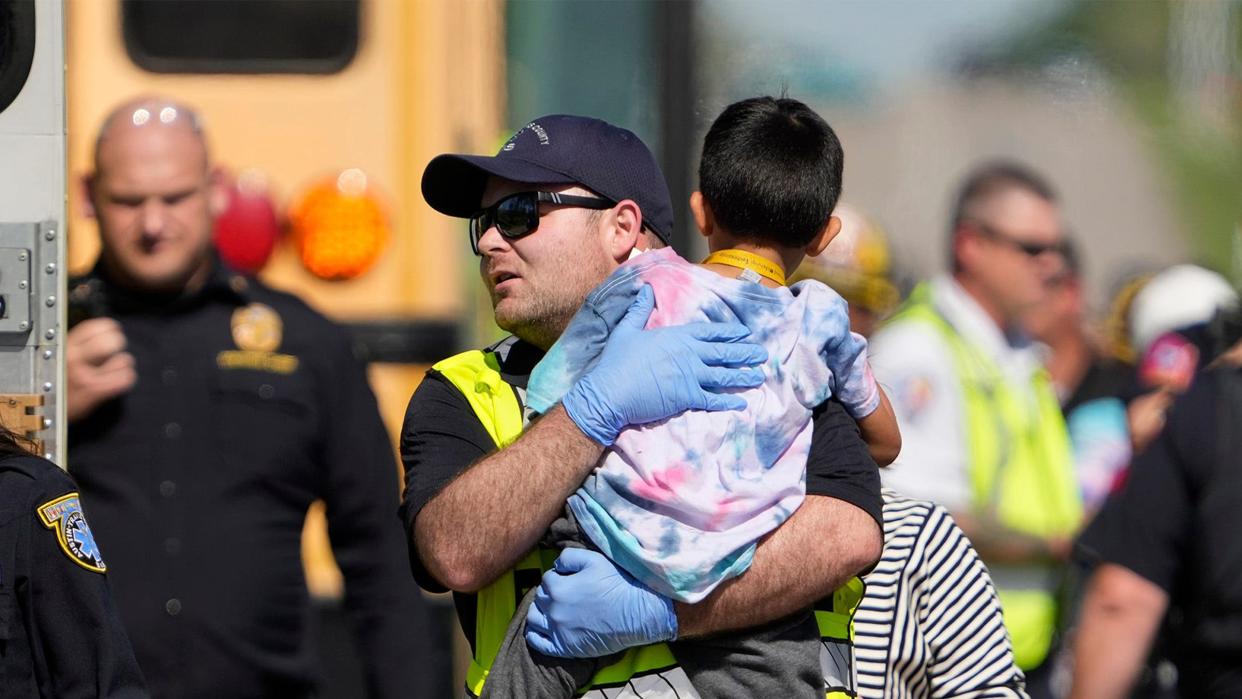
point(150, 118)
point(155, 196)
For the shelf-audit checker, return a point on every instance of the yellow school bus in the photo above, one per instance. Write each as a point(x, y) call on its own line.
point(294, 94)
point(298, 94)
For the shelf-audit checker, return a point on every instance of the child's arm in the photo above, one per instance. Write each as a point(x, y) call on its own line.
point(845, 355)
point(879, 431)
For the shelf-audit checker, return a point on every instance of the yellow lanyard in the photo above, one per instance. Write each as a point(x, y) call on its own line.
point(743, 259)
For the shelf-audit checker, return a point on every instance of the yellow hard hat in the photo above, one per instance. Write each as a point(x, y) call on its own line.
point(856, 263)
point(1117, 329)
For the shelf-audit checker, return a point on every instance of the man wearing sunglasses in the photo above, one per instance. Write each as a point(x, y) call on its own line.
point(981, 424)
point(564, 203)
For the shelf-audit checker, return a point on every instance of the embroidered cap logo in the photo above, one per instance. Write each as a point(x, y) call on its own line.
point(535, 128)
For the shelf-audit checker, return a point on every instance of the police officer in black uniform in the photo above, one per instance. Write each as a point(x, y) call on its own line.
point(1170, 551)
point(207, 413)
point(60, 635)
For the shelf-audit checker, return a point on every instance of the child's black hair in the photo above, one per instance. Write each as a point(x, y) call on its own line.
point(771, 170)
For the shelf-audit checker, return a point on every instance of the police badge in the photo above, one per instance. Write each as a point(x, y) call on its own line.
point(64, 515)
point(257, 328)
point(257, 331)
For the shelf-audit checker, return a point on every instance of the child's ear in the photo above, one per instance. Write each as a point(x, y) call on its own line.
point(702, 211)
point(825, 236)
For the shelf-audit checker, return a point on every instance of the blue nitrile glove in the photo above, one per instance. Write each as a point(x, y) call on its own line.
point(587, 607)
point(649, 375)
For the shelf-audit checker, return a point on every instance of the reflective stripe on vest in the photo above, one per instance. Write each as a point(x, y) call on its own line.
point(1021, 473)
point(646, 672)
point(835, 618)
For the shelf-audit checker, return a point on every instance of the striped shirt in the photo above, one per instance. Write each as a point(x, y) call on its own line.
point(929, 624)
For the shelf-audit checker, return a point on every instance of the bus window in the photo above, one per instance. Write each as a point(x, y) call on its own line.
point(241, 36)
point(17, 39)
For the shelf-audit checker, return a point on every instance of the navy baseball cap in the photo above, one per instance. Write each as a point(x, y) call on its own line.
point(557, 149)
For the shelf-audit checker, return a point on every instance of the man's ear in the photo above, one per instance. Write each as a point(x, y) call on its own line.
point(965, 247)
point(217, 190)
point(820, 242)
point(86, 194)
point(704, 219)
point(626, 231)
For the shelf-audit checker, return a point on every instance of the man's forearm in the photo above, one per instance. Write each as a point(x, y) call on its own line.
point(825, 543)
point(1120, 614)
point(484, 521)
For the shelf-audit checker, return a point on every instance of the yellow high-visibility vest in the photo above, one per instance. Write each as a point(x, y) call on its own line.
point(1021, 473)
point(649, 671)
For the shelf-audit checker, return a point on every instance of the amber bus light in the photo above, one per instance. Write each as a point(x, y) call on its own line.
point(339, 227)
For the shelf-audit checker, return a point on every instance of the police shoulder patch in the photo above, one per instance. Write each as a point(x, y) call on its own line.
point(913, 396)
point(64, 516)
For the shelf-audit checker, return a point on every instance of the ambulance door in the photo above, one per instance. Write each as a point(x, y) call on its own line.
point(32, 218)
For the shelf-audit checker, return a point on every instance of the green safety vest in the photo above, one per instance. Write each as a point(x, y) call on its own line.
point(477, 375)
point(1021, 473)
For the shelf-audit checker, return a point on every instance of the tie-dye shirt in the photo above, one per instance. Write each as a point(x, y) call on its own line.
point(680, 503)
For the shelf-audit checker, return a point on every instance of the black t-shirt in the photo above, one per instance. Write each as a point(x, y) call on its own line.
point(1175, 522)
point(1146, 525)
point(1105, 378)
point(441, 437)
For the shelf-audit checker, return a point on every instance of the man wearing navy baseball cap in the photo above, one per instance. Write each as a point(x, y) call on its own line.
point(564, 202)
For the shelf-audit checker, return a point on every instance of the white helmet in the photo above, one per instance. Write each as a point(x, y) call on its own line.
point(1179, 296)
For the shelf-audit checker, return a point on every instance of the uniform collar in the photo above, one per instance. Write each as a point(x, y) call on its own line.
point(223, 284)
point(227, 283)
point(517, 358)
point(970, 320)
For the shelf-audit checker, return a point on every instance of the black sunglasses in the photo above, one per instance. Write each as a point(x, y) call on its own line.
point(517, 215)
point(1027, 248)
